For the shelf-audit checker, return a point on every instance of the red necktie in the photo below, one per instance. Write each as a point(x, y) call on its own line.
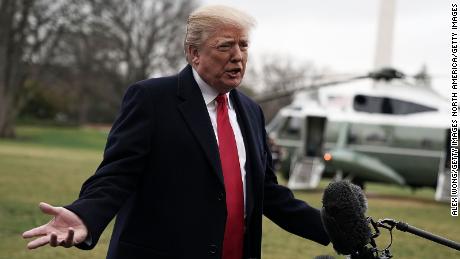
point(234, 227)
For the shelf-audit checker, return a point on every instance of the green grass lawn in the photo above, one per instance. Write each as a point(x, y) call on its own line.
point(50, 164)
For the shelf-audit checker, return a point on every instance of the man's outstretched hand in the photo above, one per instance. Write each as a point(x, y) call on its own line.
point(65, 229)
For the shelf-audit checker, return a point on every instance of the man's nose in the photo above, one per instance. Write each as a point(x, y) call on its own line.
point(237, 54)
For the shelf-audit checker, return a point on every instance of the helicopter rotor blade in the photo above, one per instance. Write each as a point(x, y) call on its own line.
point(386, 73)
point(279, 94)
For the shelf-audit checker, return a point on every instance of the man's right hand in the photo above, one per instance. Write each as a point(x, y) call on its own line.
point(65, 229)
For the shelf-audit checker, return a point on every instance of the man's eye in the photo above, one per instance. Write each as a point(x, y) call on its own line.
point(224, 47)
point(244, 46)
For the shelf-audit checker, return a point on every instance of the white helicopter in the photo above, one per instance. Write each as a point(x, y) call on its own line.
point(382, 127)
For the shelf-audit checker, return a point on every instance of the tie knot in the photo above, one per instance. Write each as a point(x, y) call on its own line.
point(221, 99)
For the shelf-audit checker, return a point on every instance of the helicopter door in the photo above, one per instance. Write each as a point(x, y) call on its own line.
point(314, 127)
point(307, 166)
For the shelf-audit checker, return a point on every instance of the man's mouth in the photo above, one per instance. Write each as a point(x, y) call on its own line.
point(234, 72)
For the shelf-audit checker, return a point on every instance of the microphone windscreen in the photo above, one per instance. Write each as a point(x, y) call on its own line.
point(343, 216)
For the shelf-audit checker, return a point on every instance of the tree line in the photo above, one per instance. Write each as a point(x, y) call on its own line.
point(72, 60)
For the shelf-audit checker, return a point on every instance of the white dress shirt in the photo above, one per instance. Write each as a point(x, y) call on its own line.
point(209, 96)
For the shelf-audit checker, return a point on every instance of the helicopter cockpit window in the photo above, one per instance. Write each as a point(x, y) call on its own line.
point(291, 128)
point(385, 105)
point(275, 124)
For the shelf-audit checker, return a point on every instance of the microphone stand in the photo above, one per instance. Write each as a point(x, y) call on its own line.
point(370, 251)
point(390, 224)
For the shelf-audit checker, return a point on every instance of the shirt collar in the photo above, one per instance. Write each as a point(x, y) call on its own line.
point(208, 92)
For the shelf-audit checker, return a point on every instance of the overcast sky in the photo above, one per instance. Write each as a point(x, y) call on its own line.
point(341, 35)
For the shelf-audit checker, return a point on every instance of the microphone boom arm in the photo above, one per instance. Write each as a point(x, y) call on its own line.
point(404, 227)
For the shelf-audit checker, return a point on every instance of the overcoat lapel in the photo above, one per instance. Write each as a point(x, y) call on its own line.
point(195, 113)
point(252, 166)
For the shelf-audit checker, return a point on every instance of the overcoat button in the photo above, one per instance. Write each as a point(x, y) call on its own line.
point(212, 249)
point(220, 196)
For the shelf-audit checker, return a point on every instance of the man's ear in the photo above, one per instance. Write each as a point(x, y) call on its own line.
point(194, 54)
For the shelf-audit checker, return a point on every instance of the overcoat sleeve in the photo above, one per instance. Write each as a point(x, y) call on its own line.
point(125, 159)
point(281, 207)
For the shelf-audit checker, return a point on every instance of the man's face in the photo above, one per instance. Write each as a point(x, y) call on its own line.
point(221, 60)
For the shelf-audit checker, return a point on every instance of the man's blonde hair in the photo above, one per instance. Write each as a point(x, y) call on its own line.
point(205, 21)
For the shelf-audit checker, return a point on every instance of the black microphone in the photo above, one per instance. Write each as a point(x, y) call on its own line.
point(343, 217)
